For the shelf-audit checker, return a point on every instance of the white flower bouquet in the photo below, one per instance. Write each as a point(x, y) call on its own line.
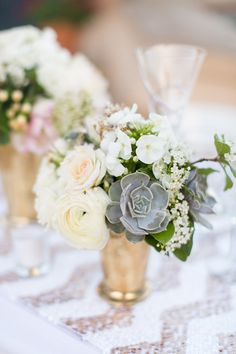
point(44, 90)
point(131, 177)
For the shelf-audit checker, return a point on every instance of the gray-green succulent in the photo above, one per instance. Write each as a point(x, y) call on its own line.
point(138, 207)
point(200, 202)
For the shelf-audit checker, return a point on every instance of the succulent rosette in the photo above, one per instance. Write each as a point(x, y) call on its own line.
point(137, 206)
point(200, 202)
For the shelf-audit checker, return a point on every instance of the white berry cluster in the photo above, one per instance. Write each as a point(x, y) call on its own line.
point(183, 231)
point(172, 171)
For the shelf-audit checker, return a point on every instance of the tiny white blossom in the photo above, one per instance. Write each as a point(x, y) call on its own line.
point(124, 116)
point(114, 166)
point(125, 145)
point(108, 138)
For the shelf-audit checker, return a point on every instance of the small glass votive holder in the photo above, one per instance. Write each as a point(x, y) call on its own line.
point(31, 249)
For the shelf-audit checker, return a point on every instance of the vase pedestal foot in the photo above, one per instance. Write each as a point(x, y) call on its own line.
point(119, 297)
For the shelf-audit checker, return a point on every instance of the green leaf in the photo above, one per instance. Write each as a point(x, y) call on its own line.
point(152, 242)
point(228, 181)
point(183, 252)
point(207, 171)
point(166, 235)
point(221, 147)
point(4, 129)
point(4, 138)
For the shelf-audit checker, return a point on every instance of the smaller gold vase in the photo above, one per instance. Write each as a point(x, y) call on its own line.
point(124, 265)
point(19, 171)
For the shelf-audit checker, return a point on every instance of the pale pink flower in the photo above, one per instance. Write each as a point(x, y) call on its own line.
point(40, 133)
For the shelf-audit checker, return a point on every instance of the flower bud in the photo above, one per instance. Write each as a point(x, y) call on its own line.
point(106, 185)
point(15, 107)
point(20, 123)
point(3, 95)
point(10, 113)
point(17, 95)
point(132, 140)
point(14, 124)
point(26, 108)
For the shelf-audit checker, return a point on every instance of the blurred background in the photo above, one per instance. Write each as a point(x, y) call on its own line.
point(93, 26)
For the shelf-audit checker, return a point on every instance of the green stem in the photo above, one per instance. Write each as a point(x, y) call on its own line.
point(214, 159)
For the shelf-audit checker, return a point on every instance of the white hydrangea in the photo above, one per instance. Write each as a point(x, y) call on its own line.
point(150, 148)
point(125, 116)
point(75, 107)
point(32, 47)
point(162, 126)
point(58, 71)
point(118, 147)
point(80, 74)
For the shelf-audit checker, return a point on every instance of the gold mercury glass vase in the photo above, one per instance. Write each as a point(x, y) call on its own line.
point(124, 265)
point(19, 172)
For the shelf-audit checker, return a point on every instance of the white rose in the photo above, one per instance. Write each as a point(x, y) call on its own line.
point(83, 168)
point(80, 218)
point(150, 148)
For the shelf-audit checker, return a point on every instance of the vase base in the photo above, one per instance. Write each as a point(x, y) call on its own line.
point(119, 297)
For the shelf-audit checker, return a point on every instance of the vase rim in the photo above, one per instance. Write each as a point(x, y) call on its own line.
point(162, 49)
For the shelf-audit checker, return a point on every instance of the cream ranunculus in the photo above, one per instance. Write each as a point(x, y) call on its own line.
point(83, 168)
point(80, 218)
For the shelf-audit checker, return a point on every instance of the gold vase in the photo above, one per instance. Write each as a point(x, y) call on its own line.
point(124, 265)
point(19, 172)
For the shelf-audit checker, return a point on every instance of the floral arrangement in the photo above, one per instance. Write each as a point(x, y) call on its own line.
point(129, 175)
point(44, 90)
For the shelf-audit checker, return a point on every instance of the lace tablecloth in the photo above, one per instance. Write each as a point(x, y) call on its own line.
point(189, 310)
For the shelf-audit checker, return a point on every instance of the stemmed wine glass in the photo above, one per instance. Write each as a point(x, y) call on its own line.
point(169, 72)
